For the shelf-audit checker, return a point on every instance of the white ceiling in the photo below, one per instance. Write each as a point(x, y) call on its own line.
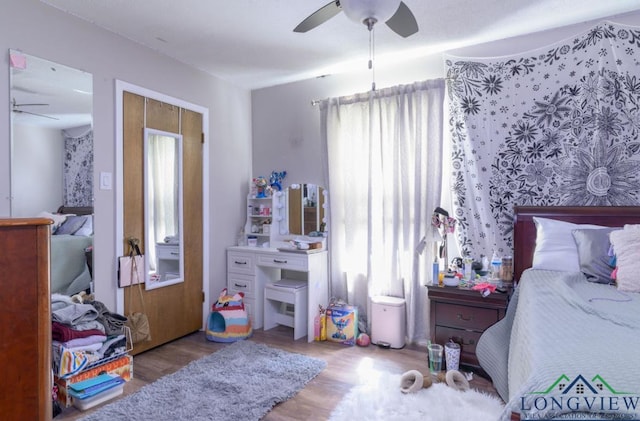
point(49, 94)
point(251, 43)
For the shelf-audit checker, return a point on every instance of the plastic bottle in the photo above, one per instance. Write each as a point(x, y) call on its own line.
point(435, 272)
point(496, 264)
point(485, 264)
point(467, 262)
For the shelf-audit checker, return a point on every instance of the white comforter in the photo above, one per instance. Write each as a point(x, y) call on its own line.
point(574, 348)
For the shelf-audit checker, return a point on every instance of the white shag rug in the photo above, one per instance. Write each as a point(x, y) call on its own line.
point(380, 398)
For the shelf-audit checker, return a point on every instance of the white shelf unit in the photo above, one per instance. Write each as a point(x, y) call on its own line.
point(266, 218)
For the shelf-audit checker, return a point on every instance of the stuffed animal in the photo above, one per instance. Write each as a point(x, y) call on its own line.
point(413, 380)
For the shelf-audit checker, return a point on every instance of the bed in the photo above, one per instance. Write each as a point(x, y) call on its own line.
point(71, 250)
point(567, 347)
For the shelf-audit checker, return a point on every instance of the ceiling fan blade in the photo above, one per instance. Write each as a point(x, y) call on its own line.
point(36, 114)
point(403, 22)
point(318, 17)
point(15, 104)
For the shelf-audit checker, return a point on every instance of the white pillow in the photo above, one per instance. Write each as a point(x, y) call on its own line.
point(626, 245)
point(57, 218)
point(555, 246)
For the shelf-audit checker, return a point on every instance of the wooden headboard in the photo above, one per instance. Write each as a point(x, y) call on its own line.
point(524, 230)
point(75, 210)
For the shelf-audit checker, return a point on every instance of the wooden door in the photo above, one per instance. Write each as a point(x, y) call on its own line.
point(175, 310)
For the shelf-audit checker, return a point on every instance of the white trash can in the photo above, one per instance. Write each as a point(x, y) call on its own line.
point(388, 321)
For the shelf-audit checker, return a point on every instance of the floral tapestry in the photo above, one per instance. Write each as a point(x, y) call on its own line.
point(78, 170)
point(554, 126)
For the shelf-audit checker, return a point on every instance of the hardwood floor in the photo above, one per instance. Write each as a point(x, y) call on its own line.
point(317, 400)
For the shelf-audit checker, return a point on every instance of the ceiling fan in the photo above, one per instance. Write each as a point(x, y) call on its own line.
point(394, 13)
point(16, 109)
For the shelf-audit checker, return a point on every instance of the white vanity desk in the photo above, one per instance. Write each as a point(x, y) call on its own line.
point(250, 268)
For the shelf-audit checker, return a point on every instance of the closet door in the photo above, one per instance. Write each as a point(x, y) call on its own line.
point(174, 310)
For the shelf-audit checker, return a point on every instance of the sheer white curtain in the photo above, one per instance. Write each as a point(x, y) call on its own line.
point(384, 170)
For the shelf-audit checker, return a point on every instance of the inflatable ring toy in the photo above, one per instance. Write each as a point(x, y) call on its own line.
point(456, 380)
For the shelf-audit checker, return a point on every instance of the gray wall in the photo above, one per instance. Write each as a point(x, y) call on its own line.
point(43, 31)
point(286, 127)
point(37, 183)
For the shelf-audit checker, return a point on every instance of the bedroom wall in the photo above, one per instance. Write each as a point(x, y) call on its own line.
point(286, 127)
point(41, 30)
point(37, 185)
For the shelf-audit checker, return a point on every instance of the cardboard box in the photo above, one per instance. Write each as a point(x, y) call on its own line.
point(342, 324)
point(122, 367)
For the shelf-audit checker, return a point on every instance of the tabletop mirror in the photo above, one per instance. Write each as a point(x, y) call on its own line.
point(307, 208)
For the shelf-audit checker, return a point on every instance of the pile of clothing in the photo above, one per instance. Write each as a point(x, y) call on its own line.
point(83, 331)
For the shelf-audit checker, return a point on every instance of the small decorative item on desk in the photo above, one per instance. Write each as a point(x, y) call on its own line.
point(262, 188)
point(450, 279)
point(275, 181)
point(444, 224)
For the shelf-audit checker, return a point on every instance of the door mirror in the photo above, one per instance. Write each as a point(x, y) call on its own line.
point(164, 263)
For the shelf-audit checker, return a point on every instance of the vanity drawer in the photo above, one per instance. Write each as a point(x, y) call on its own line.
point(284, 261)
point(465, 317)
point(239, 262)
point(168, 252)
point(241, 283)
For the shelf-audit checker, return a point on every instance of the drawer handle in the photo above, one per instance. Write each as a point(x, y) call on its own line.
point(462, 342)
point(175, 253)
point(279, 261)
point(461, 317)
point(237, 285)
point(239, 263)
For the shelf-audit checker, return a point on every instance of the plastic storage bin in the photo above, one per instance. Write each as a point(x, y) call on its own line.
point(388, 321)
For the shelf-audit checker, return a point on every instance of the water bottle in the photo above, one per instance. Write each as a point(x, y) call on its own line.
point(467, 262)
point(496, 264)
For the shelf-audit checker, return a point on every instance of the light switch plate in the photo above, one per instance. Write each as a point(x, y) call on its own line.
point(105, 181)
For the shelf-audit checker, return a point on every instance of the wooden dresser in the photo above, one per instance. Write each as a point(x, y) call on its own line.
point(25, 320)
point(463, 315)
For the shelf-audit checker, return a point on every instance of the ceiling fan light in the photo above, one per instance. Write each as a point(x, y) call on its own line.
point(360, 10)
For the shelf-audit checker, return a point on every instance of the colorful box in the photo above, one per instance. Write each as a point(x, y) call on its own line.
point(342, 324)
point(122, 367)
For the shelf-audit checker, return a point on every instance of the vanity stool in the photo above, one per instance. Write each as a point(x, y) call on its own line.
point(276, 312)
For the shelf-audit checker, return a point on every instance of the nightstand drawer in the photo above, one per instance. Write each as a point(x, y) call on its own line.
point(467, 339)
point(465, 317)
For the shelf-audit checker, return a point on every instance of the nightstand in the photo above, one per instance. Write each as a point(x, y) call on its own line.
point(462, 315)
